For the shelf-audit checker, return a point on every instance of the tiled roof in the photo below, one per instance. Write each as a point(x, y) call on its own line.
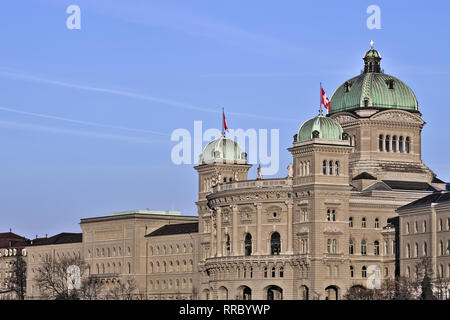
point(179, 228)
point(436, 197)
point(60, 238)
point(10, 239)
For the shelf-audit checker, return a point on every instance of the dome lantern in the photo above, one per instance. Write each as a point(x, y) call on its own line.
point(372, 60)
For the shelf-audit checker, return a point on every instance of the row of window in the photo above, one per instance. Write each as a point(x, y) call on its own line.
point(163, 284)
point(171, 249)
point(43, 257)
point(364, 271)
point(107, 252)
point(364, 222)
point(424, 226)
point(376, 247)
point(440, 271)
point(303, 168)
point(171, 267)
point(330, 167)
point(394, 144)
point(331, 216)
point(442, 249)
point(110, 268)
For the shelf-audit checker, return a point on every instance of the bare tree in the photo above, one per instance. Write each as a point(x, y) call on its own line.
point(123, 290)
point(17, 282)
point(55, 281)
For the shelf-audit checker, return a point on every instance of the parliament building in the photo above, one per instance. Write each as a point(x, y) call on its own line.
point(357, 204)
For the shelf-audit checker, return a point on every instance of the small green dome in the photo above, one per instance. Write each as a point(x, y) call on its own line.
point(320, 127)
point(223, 150)
point(373, 89)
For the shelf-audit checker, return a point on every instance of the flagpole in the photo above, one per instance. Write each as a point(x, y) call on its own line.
point(223, 128)
point(320, 99)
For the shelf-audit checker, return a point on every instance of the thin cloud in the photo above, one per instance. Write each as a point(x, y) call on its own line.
point(129, 94)
point(90, 134)
point(87, 123)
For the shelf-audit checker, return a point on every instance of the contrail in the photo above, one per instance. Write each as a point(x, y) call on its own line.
point(34, 127)
point(134, 95)
point(94, 124)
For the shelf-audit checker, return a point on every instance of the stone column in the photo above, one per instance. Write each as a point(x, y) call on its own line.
point(219, 231)
point(213, 234)
point(258, 228)
point(290, 206)
point(234, 235)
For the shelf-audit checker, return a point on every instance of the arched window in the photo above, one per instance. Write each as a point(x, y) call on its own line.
point(363, 247)
point(336, 168)
point(408, 272)
point(416, 227)
point(364, 272)
point(408, 251)
point(425, 249)
point(376, 248)
point(330, 164)
point(228, 244)
point(387, 144)
point(407, 228)
point(441, 248)
point(363, 222)
point(273, 272)
point(440, 225)
point(380, 142)
point(324, 167)
point(351, 246)
point(394, 144)
point(275, 244)
point(407, 145)
point(248, 244)
point(265, 272)
point(424, 226)
point(352, 272)
point(377, 223)
point(281, 272)
point(350, 222)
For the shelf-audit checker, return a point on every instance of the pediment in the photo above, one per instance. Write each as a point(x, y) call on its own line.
point(397, 116)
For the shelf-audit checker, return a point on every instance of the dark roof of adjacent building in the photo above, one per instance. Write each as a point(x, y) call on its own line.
point(364, 175)
point(171, 229)
point(10, 239)
point(436, 197)
point(437, 180)
point(409, 185)
point(61, 238)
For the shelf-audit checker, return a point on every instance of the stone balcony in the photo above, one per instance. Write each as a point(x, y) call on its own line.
point(263, 183)
point(256, 259)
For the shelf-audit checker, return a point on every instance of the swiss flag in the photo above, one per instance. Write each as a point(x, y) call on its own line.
point(324, 99)
point(225, 127)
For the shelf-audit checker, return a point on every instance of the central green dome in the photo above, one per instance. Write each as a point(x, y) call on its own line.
point(320, 127)
point(373, 89)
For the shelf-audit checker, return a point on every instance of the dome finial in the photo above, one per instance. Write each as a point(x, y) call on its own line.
point(371, 44)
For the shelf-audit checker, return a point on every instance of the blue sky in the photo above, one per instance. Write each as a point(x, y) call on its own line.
point(86, 115)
